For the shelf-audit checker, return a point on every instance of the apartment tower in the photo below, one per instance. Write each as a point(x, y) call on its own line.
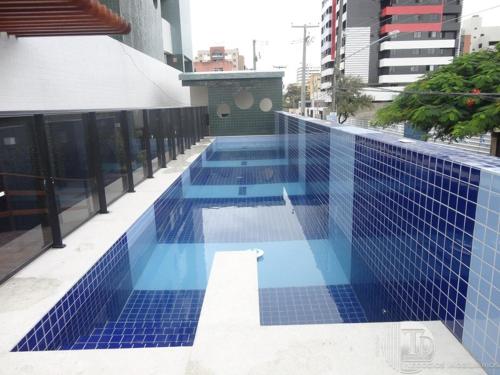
point(426, 36)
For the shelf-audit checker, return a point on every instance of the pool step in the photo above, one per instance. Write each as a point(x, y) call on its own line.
point(139, 334)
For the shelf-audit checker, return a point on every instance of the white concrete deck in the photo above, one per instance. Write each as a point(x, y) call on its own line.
point(229, 340)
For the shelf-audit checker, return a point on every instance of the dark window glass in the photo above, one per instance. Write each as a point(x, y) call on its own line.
point(75, 183)
point(24, 224)
point(154, 125)
point(166, 135)
point(112, 151)
point(138, 146)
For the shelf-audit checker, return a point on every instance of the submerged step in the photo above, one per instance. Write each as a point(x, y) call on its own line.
point(137, 334)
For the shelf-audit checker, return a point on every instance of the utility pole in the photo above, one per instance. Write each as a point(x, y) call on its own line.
point(338, 46)
point(304, 65)
point(254, 55)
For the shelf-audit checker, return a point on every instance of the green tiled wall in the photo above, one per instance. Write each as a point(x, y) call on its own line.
point(244, 122)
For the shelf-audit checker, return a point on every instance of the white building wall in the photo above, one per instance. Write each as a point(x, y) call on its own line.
point(357, 38)
point(489, 37)
point(399, 78)
point(417, 44)
point(383, 94)
point(481, 36)
point(84, 72)
point(309, 70)
point(167, 36)
point(415, 61)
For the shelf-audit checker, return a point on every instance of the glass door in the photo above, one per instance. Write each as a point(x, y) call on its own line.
point(24, 222)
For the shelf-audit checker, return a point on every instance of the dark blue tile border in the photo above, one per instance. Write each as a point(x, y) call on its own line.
point(96, 296)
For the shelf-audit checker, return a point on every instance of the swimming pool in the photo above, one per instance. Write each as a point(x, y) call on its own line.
point(354, 228)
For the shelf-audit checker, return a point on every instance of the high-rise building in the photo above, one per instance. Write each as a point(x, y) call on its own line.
point(219, 59)
point(476, 37)
point(426, 36)
point(160, 29)
point(313, 83)
point(309, 71)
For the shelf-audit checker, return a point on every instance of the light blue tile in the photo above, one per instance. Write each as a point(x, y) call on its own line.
point(479, 232)
point(467, 340)
point(486, 179)
point(489, 255)
point(492, 219)
point(492, 330)
point(494, 202)
point(490, 348)
point(472, 291)
point(495, 300)
point(485, 288)
point(487, 272)
point(491, 238)
point(477, 350)
point(495, 184)
point(482, 307)
point(481, 214)
point(483, 197)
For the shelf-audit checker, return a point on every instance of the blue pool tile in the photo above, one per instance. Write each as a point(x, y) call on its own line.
point(308, 305)
point(149, 319)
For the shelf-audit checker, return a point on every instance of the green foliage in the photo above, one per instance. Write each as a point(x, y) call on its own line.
point(451, 117)
point(292, 96)
point(350, 98)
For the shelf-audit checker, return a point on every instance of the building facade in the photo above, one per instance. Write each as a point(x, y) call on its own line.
point(476, 37)
point(427, 37)
point(219, 59)
point(160, 29)
point(310, 70)
point(313, 84)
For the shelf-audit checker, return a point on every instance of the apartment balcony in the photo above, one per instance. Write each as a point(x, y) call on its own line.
point(326, 72)
point(415, 61)
point(399, 78)
point(326, 85)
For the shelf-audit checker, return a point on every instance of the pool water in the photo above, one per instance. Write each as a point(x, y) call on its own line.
point(256, 193)
point(285, 264)
point(242, 193)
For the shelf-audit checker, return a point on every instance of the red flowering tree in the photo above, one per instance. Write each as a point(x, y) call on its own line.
point(437, 101)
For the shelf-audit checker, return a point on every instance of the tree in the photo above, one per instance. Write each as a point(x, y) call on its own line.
point(350, 98)
point(456, 110)
point(292, 96)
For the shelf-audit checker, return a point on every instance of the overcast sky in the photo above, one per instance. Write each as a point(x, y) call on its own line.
point(235, 23)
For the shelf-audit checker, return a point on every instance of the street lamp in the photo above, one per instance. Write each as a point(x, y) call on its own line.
point(336, 68)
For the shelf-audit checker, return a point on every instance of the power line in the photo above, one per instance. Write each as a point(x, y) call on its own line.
point(485, 96)
point(471, 14)
point(458, 93)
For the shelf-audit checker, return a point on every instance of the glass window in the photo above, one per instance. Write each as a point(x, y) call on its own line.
point(112, 151)
point(24, 223)
point(138, 146)
point(154, 127)
point(166, 135)
point(75, 183)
